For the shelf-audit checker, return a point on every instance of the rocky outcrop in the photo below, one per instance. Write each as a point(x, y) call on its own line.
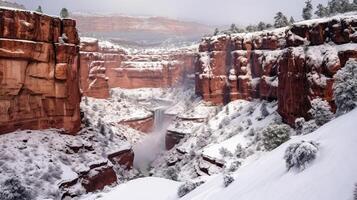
point(97, 63)
point(291, 65)
point(144, 125)
point(38, 72)
point(105, 67)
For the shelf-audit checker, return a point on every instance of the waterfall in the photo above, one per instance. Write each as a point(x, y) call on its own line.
point(159, 119)
point(153, 144)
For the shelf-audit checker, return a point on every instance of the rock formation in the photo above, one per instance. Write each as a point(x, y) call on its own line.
point(38, 72)
point(291, 65)
point(104, 67)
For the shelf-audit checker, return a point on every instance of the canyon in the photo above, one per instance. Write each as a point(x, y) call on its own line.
point(291, 65)
point(97, 101)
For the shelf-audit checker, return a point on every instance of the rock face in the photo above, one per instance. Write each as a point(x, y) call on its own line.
point(292, 65)
point(38, 72)
point(105, 67)
point(143, 125)
point(96, 63)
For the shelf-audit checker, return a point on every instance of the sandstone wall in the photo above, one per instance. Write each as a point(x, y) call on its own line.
point(97, 65)
point(103, 68)
point(38, 72)
point(291, 65)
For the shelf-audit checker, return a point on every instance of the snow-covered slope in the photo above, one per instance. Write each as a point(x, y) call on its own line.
point(330, 177)
point(142, 188)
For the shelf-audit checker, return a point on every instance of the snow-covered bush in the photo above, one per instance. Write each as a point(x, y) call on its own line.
point(345, 87)
point(264, 111)
point(320, 111)
point(12, 189)
point(234, 166)
point(309, 127)
point(240, 152)
point(227, 180)
point(171, 173)
point(355, 193)
point(299, 124)
point(274, 135)
point(298, 155)
point(303, 127)
point(225, 152)
point(187, 188)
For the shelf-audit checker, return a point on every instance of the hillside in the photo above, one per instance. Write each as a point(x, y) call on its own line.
point(139, 30)
point(333, 172)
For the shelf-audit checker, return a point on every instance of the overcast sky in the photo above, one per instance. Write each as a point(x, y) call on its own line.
point(212, 12)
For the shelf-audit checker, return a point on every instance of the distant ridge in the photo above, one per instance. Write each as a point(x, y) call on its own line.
point(11, 5)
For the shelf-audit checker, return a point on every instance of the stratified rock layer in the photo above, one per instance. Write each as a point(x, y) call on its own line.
point(291, 65)
point(38, 72)
point(104, 67)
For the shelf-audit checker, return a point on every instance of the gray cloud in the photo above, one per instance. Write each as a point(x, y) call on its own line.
point(206, 11)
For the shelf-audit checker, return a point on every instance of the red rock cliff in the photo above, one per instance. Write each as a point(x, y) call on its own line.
point(291, 65)
point(104, 67)
point(38, 72)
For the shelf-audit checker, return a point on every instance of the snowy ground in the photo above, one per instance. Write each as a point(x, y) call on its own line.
point(42, 160)
point(330, 176)
point(141, 188)
point(236, 125)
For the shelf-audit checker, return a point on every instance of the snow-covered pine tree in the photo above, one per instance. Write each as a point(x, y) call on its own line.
point(264, 111)
point(345, 87)
point(12, 189)
point(39, 9)
point(274, 135)
point(216, 31)
point(307, 10)
point(225, 152)
point(187, 188)
point(320, 111)
point(321, 11)
point(338, 6)
point(292, 20)
point(280, 20)
point(227, 180)
point(234, 28)
point(251, 28)
point(261, 26)
point(298, 155)
point(64, 13)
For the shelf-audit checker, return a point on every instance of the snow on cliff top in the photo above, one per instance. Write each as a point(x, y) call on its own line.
point(331, 176)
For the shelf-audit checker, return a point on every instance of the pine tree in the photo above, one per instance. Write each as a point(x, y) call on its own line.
point(345, 87)
point(233, 28)
point(307, 10)
point(299, 155)
point(321, 11)
point(216, 31)
point(292, 20)
point(320, 111)
point(274, 135)
point(251, 28)
point(338, 6)
point(261, 26)
point(280, 20)
point(39, 9)
point(269, 26)
point(64, 13)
